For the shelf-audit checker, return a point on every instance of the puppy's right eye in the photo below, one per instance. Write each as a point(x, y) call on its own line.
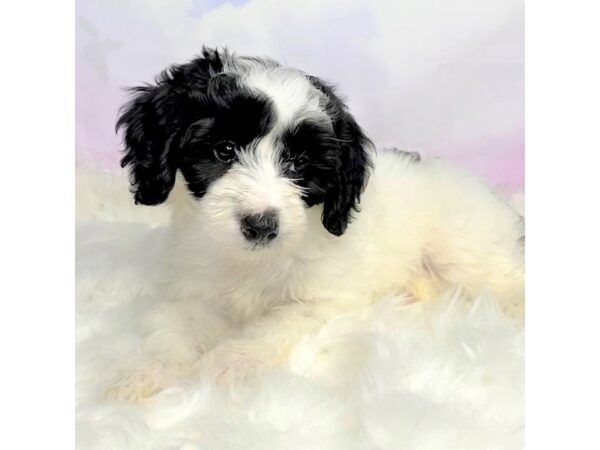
point(225, 151)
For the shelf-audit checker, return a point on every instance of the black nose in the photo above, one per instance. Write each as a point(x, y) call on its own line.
point(260, 228)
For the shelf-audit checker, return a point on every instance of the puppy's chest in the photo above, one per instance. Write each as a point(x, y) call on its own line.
point(250, 294)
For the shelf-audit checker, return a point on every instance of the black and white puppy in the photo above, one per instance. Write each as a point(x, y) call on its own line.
point(284, 216)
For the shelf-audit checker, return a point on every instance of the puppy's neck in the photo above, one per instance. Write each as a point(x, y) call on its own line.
point(244, 284)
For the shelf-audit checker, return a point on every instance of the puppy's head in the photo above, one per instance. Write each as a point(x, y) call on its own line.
point(256, 143)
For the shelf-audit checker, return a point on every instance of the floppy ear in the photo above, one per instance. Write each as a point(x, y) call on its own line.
point(352, 165)
point(154, 121)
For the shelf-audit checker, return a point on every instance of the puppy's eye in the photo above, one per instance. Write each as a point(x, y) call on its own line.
point(298, 163)
point(225, 151)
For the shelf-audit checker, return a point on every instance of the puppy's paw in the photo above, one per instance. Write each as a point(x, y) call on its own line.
point(138, 385)
point(235, 361)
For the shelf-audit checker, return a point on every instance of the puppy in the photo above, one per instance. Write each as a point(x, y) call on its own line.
point(284, 216)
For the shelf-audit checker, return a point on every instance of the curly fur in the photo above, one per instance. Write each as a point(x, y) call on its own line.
point(224, 138)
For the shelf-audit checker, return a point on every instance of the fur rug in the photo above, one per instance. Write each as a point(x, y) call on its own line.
point(437, 375)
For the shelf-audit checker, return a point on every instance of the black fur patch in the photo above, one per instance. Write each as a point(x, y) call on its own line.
point(236, 116)
point(413, 156)
point(353, 163)
point(311, 149)
point(176, 123)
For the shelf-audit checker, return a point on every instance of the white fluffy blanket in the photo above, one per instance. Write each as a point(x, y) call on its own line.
point(440, 375)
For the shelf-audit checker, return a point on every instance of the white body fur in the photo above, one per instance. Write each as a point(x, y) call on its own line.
point(423, 227)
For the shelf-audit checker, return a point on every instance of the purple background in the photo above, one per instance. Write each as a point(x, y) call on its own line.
point(444, 78)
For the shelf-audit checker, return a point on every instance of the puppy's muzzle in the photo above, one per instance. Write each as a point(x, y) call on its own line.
point(260, 228)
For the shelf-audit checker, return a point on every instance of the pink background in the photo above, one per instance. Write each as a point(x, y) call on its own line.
point(443, 78)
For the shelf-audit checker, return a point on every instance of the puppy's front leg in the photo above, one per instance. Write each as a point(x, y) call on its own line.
point(175, 335)
point(265, 342)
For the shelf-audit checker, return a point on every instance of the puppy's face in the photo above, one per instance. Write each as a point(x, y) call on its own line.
point(256, 143)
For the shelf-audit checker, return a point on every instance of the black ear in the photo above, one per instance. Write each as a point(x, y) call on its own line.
point(154, 121)
point(352, 165)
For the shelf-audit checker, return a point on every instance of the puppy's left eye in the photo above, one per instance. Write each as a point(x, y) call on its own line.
point(225, 151)
point(297, 163)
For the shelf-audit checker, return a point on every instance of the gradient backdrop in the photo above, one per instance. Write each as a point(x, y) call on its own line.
point(441, 77)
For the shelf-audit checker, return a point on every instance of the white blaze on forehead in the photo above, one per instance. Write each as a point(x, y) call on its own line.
point(293, 96)
point(263, 155)
point(259, 184)
point(290, 91)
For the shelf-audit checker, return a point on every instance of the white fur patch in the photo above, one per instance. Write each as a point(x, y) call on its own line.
point(430, 376)
point(293, 96)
